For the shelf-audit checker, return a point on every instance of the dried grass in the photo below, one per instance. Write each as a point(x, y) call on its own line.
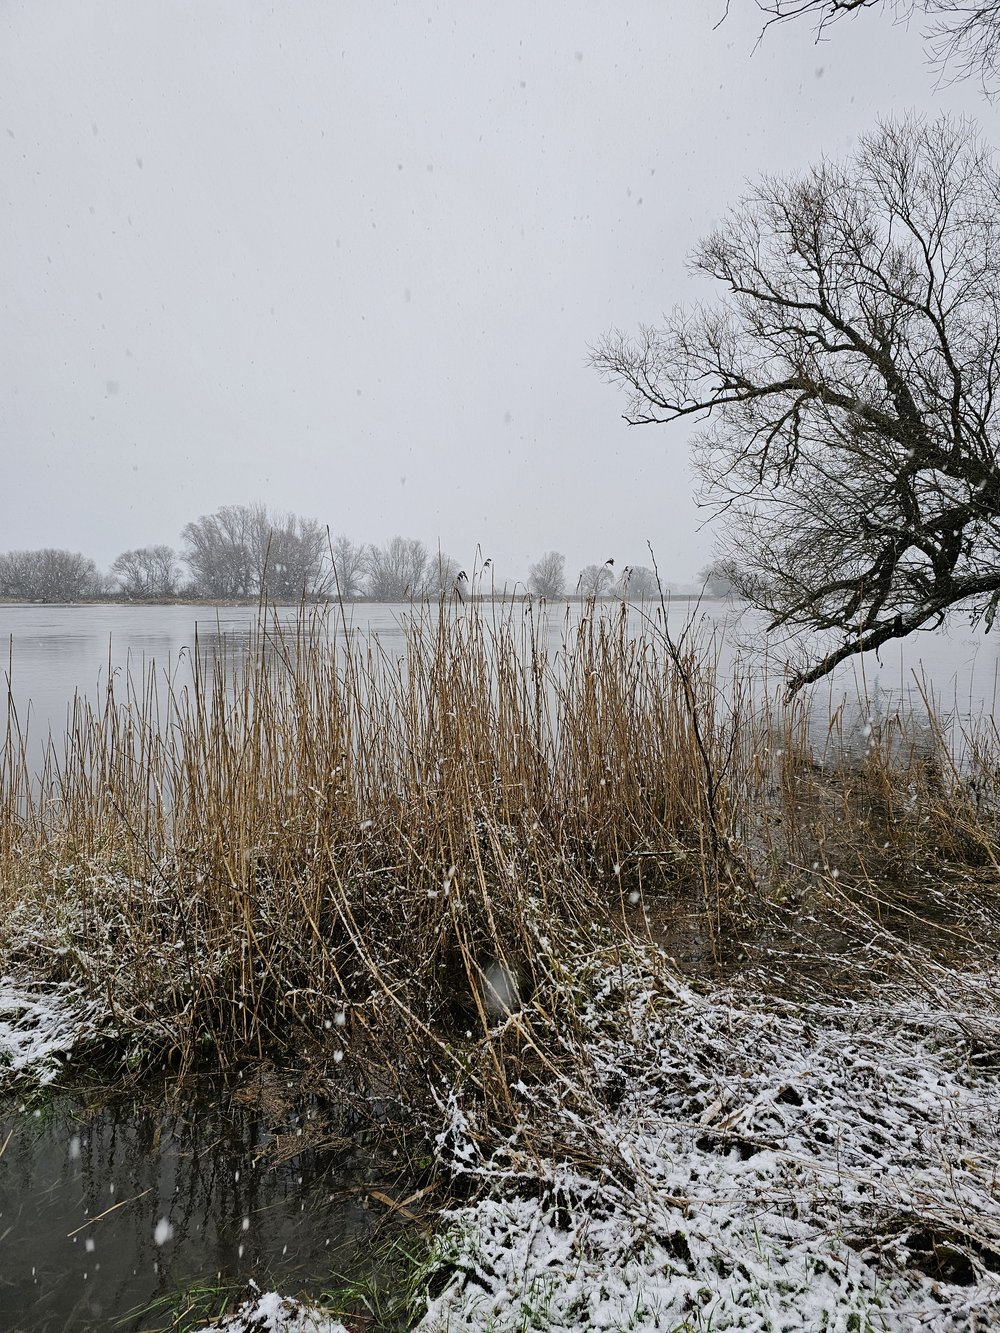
point(321, 846)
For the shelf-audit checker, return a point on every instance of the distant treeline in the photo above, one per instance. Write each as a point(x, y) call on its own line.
point(246, 552)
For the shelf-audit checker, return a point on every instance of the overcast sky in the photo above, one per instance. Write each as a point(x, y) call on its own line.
point(345, 257)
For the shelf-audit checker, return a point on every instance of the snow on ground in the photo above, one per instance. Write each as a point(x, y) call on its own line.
point(271, 1313)
point(724, 1160)
point(40, 1023)
point(768, 1166)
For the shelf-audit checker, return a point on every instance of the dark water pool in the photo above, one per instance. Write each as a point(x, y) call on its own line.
point(108, 1212)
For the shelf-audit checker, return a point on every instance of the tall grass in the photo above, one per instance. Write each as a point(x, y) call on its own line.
point(323, 844)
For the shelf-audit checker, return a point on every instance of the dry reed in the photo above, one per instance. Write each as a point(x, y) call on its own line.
point(323, 846)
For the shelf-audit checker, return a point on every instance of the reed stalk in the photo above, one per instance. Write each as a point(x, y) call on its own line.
point(383, 856)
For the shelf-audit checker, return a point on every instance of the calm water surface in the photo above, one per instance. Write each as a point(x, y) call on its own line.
point(51, 652)
point(108, 1213)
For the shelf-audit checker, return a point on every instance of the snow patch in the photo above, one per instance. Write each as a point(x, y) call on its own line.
point(271, 1313)
point(39, 1025)
point(749, 1163)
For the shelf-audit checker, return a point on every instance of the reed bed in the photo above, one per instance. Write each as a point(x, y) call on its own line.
point(382, 863)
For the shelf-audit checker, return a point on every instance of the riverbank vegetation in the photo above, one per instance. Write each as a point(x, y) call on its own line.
point(475, 895)
point(245, 554)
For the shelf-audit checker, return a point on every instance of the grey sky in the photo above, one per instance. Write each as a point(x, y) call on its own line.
point(346, 257)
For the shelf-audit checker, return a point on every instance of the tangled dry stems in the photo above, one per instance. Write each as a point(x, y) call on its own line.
point(388, 863)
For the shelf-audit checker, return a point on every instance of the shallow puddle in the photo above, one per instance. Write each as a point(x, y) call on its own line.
point(107, 1214)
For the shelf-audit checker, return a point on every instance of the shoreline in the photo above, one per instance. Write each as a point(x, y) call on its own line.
point(684, 1028)
point(775, 1180)
point(500, 599)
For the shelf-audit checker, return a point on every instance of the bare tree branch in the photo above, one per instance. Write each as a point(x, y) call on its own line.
point(962, 39)
point(845, 387)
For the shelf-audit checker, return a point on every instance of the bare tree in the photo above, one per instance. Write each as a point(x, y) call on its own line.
point(218, 550)
point(243, 550)
point(720, 579)
point(17, 578)
point(850, 380)
point(401, 570)
point(149, 571)
point(48, 575)
point(445, 580)
point(547, 576)
point(348, 561)
point(637, 583)
point(963, 38)
point(291, 554)
point(596, 580)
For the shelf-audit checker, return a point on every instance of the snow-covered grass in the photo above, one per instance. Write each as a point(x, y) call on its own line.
point(712, 1159)
point(271, 1313)
point(41, 1023)
point(739, 1162)
point(691, 1158)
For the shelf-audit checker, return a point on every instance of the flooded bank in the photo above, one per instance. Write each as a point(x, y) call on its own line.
point(122, 1215)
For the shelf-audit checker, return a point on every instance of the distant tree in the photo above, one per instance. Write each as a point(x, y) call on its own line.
point(849, 377)
point(445, 571)
point(400, 571)
point(292, 555)
point(149, 571)
point(720, 579)
point(244, 551)
point(637, 584)
point(962, 36)
point(17, 574)
point(48, 575)
point(220, 551)
point(348, 574)
point(596, 580)
point(547, 576)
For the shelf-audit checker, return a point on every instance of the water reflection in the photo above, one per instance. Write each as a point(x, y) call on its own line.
point(102, 1211)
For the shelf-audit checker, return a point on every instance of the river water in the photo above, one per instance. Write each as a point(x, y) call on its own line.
point(117, 1216)
point(51, 652)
